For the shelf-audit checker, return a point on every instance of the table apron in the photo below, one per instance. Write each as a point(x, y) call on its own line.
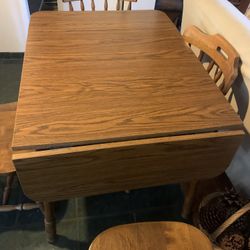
point(96, 169)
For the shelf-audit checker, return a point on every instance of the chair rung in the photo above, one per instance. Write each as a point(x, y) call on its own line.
point(19, 207)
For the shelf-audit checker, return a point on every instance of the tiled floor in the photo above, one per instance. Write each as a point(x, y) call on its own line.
point(79, 220)
point(10, 75)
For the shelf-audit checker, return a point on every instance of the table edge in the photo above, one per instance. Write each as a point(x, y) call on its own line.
point(21, 155)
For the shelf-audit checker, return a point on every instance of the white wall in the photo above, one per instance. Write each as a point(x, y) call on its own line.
point(14, 22)
point(141, 4)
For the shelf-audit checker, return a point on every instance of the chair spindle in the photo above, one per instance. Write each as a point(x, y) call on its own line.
point(82, 5)
point(93, 5)
point(105, 4)
point(201, 55)
point(129, 6)
point(210, 66)
point(120, 4)
point(218, 76)
point(71, 6)
point(122, 7)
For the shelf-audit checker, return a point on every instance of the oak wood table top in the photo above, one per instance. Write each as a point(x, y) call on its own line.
point(91, 78)
point(113, 101)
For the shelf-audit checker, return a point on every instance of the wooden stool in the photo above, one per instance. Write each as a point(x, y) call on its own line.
point(7, 168)
point(152, 235)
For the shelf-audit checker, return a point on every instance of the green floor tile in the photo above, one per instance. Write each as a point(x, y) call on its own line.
point(10, 75)
point(33, 237)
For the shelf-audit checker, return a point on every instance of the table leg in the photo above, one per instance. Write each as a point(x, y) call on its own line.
point(49, 221)
point(189, 199)
point(7, 188)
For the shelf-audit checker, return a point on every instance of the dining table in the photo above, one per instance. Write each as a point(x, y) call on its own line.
point(112, 101)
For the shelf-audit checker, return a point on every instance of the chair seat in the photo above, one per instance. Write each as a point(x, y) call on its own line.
point(152, 235)
point(7, 118)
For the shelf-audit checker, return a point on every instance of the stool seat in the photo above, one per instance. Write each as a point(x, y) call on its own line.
point(7, 118)
point(152, 236)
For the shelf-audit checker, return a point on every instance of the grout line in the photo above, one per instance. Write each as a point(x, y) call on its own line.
point(76, 207)
point(134, 217)
point(130, 212)
point(77, 223)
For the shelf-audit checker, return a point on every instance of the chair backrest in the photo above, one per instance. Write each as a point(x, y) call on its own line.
point(120, 4)
point(223, 58)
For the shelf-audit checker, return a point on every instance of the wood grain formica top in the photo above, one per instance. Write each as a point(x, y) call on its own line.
point(152, 235)
point(112, 76)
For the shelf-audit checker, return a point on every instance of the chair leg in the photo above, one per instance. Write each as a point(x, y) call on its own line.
point(189, 199)
point(7, 188)
point(49, 221)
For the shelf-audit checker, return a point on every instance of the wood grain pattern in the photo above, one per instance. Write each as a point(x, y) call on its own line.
point(222, 55)
point(48, 175)
point(102, 77)
point(152, 235)
point(7, 120)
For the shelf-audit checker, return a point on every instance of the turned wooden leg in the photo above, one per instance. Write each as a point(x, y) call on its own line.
point(7, 188)
point(49, 221)
point(189, 199)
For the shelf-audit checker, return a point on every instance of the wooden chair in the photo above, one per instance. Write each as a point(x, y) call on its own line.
point(152, 235)
point(120, 4)
point(223, 58)
point(222, 63)
point(7, 118)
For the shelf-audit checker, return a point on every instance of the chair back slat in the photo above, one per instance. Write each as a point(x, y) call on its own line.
point(82, 5)
point(201, 55)
point(217, 76)
point(106, 5)
point(122, 7)
point(93, 5)
point(129, 6)
point(120, 4)
point(71, 6)
point(216, 69)
point(210, 66)
point(220, 53)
